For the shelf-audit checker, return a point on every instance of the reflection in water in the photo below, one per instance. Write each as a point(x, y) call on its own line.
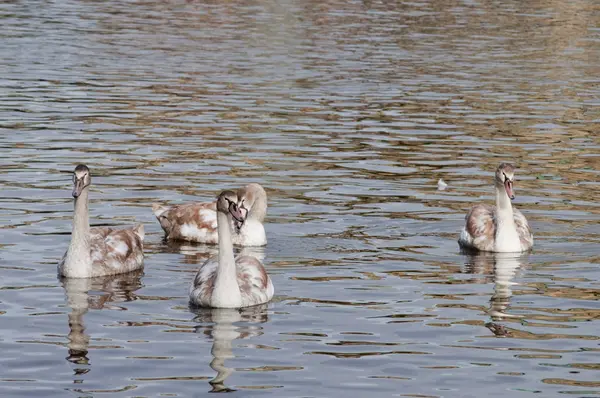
point(504, 266)
point(77, 299)
point(193, 253)
point(223, 331)
point(197, 253)
point(113, 289)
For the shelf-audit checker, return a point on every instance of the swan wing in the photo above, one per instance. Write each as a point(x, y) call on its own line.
point(254, 282)
point(523, 229)
point(201, 290)
point(480, 229)
point(115, 251)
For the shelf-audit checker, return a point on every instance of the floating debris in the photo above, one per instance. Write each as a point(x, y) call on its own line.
point(441, 185)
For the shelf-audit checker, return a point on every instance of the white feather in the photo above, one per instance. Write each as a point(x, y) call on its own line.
point(209, 216)
point(193, 232)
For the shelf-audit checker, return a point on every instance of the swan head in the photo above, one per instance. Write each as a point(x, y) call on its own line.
point(81, 179)
point(252, 199)
point(227, 203)
point(505, 177)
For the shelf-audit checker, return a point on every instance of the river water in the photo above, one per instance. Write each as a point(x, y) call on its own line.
point(349, 113)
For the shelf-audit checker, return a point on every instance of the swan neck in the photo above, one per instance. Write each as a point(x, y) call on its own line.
point(226, 284)
point(81, 218)
point(78, 262)
point(503, 203)
point(507, 237)
point(226, 258)
point(258, 211)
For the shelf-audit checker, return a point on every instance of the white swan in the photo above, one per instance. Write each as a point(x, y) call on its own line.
point(98, 251)
point(197, 222)
point(225, 282)
point(499, 228)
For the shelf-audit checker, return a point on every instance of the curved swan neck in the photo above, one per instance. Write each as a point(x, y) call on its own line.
point(259, 209)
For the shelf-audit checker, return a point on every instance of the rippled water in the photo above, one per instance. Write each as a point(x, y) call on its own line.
point(349, 113)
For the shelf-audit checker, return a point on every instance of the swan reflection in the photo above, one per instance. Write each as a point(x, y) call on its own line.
point(504, 267)
point(225, 325)
point(111, 289)
point(197, 253)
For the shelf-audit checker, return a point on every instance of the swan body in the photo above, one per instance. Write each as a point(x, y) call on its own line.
point(224, 281)
point(499, 228)
point(197, 222)
point(98, 251)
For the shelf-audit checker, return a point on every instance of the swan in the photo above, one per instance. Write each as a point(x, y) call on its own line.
point(98, 251)
point(197, 222)
point(499, 228)
point(224, 281)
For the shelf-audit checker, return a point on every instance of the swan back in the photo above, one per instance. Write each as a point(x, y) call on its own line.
point(195, 222)
point(115, 251)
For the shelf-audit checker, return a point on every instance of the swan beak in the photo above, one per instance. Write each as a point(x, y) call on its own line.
point(237, 213)
point(508, 185)
point(77, 187)
point(238, 226)
point(239, 222)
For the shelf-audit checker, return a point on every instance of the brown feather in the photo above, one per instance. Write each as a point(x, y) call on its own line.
point(115, 251)
point(192, 215)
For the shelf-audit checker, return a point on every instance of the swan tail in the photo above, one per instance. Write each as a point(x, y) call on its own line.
point(158, 209)
point(139, 231)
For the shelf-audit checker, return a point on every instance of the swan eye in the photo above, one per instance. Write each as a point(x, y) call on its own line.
point(231, 203)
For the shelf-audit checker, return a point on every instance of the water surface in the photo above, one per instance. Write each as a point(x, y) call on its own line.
point(348, 113)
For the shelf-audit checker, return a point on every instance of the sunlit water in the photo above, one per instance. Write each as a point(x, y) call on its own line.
point(348, 113)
